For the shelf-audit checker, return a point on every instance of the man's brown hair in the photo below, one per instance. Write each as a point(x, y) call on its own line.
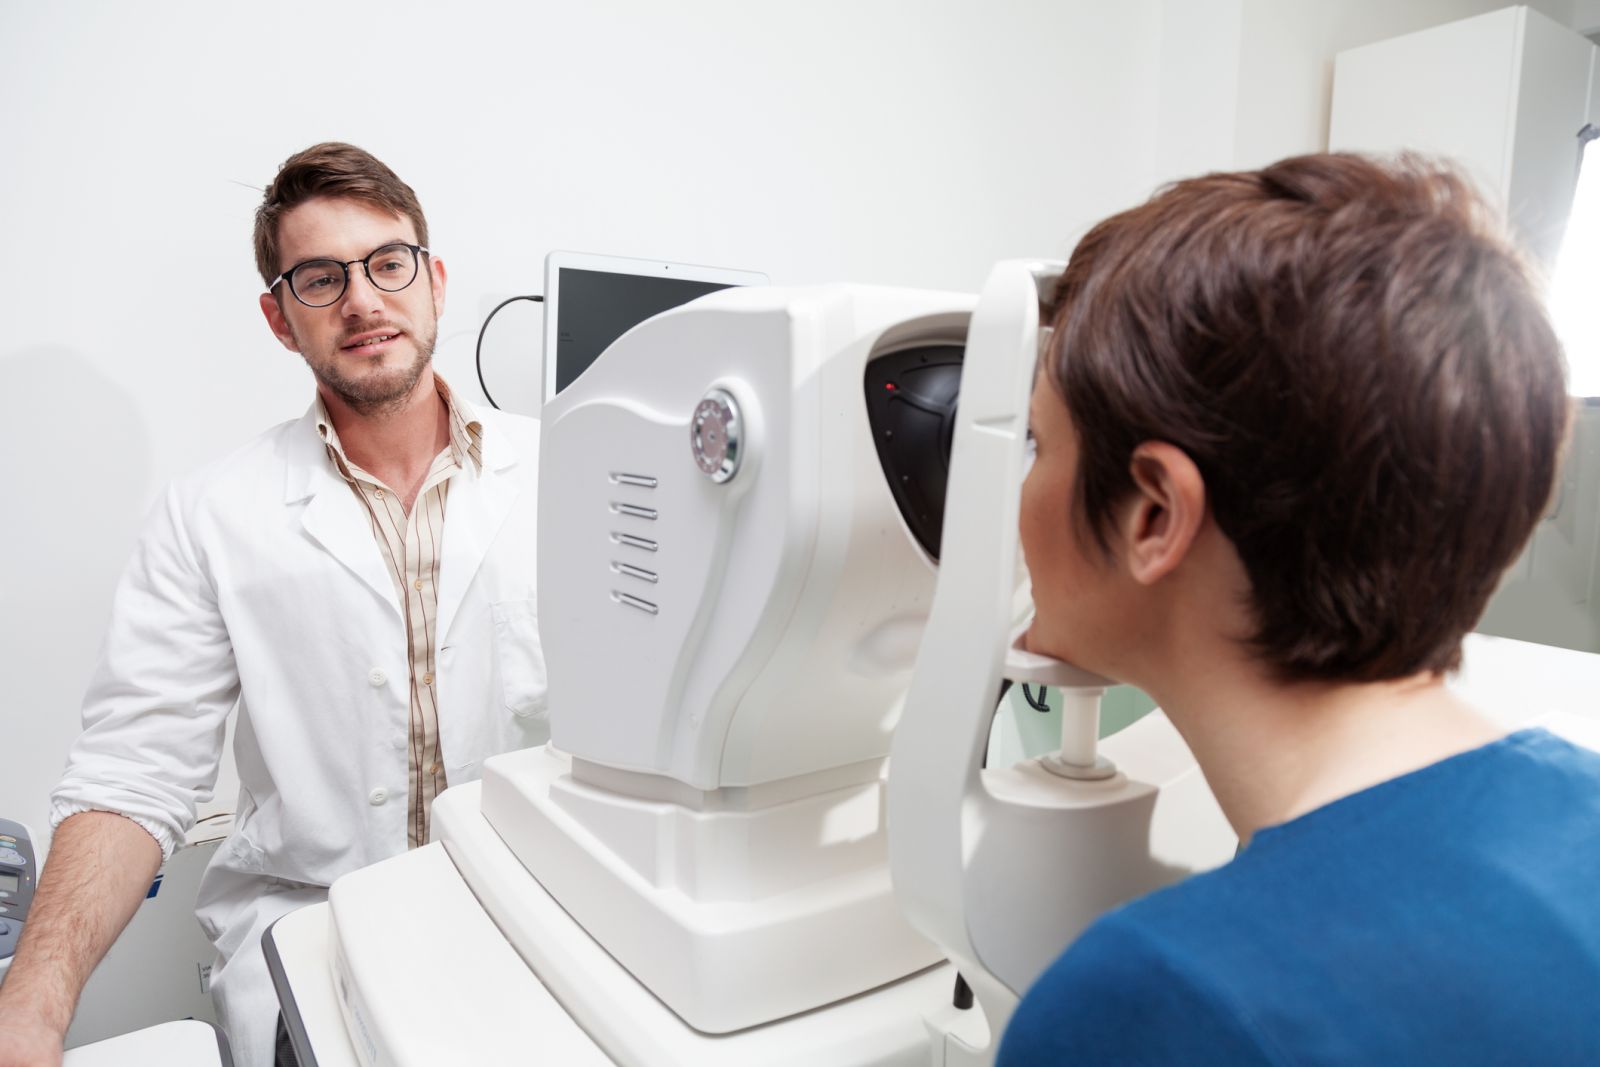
point(1358, 362)
point(329, 169)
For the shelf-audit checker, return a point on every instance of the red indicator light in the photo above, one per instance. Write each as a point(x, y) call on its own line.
point(890, 386)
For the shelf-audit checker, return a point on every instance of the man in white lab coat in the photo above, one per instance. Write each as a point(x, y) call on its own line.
point(358, 582)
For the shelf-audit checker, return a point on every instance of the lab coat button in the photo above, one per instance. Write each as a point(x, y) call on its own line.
point(377, 797)
point(376, 676)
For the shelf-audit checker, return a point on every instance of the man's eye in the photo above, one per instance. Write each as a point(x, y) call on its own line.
point(390, 266)
point(317, 281)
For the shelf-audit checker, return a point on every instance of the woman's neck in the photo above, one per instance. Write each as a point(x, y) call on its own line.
point(1273, 751)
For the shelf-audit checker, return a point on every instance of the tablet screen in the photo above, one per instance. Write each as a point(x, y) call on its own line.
point(597, 307)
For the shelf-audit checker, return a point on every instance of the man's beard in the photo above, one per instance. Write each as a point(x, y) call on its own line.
point(379, 393)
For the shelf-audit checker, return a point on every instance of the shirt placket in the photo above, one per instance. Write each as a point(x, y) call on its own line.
point(425, 526)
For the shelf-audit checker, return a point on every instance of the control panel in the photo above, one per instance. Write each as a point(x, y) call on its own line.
point(19, 870)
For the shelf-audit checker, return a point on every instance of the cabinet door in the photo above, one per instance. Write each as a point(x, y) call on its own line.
point(1502, 94)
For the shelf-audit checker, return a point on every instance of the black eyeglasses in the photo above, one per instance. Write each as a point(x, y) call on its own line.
point(319, 282)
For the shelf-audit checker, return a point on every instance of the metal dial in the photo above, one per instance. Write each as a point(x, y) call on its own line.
point(715, 435)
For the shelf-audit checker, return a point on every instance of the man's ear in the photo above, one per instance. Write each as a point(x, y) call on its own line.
point(1165, 513)
point(436, 275)
point(278, 323)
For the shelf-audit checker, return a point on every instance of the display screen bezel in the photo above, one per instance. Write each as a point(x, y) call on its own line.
point(558, 263)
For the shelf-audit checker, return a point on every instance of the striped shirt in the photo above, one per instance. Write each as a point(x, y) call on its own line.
point(411, 545)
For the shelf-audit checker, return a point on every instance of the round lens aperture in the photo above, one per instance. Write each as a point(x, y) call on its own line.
point(318, 282)
point(392, 267)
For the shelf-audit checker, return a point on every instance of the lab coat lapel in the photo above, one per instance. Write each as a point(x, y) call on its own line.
point(476, 509)
point(332, 515)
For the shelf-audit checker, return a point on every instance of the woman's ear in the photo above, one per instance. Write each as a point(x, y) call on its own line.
point(1163, 516)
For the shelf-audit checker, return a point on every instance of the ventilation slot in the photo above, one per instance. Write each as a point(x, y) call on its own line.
point(634, 602)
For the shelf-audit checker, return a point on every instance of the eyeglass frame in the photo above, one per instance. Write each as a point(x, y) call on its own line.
point(417, 251)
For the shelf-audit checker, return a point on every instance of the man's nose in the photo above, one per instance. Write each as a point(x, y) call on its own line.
point(361, 298)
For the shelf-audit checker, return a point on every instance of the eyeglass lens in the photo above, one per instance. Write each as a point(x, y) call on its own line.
point(322, 281)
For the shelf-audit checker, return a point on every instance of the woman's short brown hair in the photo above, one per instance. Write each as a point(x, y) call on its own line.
point(329, 169)
point(1359, 363)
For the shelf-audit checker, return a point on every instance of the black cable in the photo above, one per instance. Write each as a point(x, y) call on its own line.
point(477, 357)
point(1042, 704)
point(1005, 687)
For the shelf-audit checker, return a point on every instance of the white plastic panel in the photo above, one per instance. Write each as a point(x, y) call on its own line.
point(881, 1028)
point(416, 958)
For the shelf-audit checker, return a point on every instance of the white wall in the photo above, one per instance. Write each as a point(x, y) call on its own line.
point(908, 143)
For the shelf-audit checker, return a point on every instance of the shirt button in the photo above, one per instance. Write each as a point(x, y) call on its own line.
point(417, 583)
point(427, 679)
point(436, 768)
point(378, 493)
point(376, 676)
point(377, 797)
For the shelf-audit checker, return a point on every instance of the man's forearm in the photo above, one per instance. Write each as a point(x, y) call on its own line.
point(99, 868)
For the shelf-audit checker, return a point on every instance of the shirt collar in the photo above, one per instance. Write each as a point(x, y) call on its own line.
point(466, 429)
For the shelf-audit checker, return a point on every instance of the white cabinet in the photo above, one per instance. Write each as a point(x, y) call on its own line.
point(1504, 94)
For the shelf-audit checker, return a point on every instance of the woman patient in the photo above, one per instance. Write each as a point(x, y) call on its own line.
point(1292, 425)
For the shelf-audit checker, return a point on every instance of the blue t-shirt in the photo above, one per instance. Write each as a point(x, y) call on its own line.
point(1449, 916)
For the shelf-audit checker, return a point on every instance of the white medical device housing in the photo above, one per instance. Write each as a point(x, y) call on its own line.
point(730, 607)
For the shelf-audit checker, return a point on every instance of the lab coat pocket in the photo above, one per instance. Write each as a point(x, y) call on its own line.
point(519, 659)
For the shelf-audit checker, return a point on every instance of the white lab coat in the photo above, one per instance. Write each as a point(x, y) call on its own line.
point(258, 580)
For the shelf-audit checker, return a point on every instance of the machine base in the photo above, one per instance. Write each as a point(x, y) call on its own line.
point(425, 977)
point(703, 905)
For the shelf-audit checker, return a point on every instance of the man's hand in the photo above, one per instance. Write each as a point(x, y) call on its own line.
point(99, 869)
